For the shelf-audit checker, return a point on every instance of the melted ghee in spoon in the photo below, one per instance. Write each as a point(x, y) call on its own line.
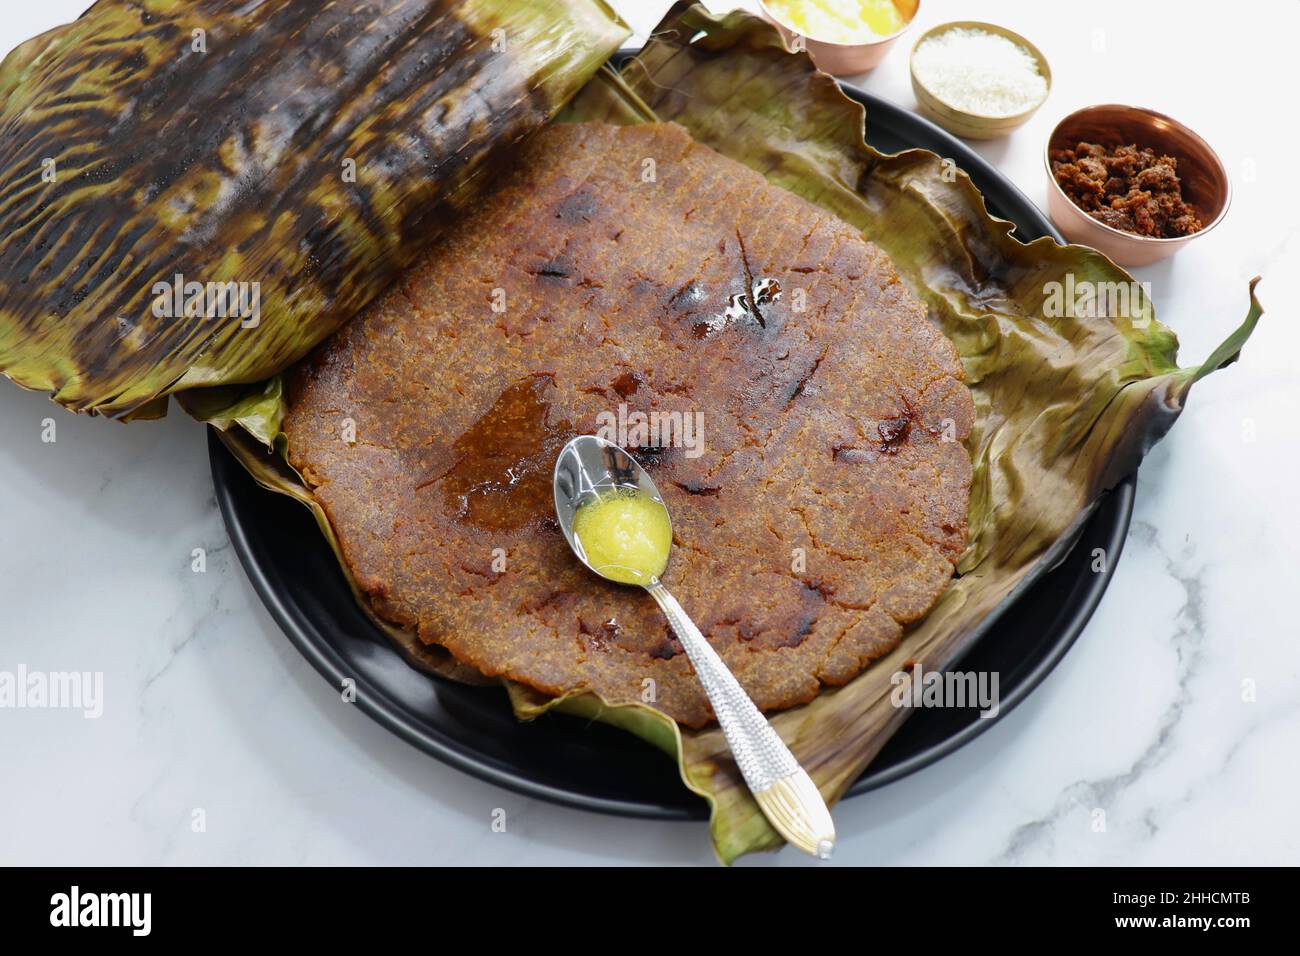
point(626, 535)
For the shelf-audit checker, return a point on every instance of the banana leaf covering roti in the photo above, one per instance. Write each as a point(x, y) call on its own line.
point(809, 436)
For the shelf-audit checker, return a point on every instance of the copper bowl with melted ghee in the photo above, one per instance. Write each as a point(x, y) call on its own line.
point(1206, 185)
point(846, 59)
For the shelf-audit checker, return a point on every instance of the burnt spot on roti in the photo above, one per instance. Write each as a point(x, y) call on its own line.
point(626, 384)
point(553, 269)
point(699, 488)
point(666, 649)
point(652, 457)
point(580, 207)
point(893, 431)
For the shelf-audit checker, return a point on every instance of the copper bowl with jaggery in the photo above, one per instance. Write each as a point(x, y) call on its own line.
point(1205, 184)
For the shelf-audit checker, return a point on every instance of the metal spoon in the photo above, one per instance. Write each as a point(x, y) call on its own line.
point(783, 790)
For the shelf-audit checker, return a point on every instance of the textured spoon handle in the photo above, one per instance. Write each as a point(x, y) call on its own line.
point(788, 797)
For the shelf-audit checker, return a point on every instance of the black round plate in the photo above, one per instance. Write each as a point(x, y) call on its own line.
point(590, 765)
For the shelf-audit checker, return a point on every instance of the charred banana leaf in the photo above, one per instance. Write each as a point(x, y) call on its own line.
point(195, 192)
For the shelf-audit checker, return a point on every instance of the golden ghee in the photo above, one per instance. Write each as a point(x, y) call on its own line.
point(839, 21)
point(626, 535)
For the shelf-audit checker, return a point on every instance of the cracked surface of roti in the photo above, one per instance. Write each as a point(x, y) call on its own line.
point(817, 510)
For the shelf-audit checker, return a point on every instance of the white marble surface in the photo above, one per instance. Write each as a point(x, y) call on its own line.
point(206, 705)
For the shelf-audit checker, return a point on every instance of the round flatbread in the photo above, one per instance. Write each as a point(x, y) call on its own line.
point(804, 423)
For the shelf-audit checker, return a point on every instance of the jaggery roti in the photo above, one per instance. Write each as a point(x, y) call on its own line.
point(619, 270)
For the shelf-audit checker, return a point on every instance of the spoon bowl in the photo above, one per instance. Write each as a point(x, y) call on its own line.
point(586, 467)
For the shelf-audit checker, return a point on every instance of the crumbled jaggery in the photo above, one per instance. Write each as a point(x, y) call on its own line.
point(1126, 187)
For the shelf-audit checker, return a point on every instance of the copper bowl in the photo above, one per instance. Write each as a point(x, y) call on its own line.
point(1206, 185)
point(845, 59)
